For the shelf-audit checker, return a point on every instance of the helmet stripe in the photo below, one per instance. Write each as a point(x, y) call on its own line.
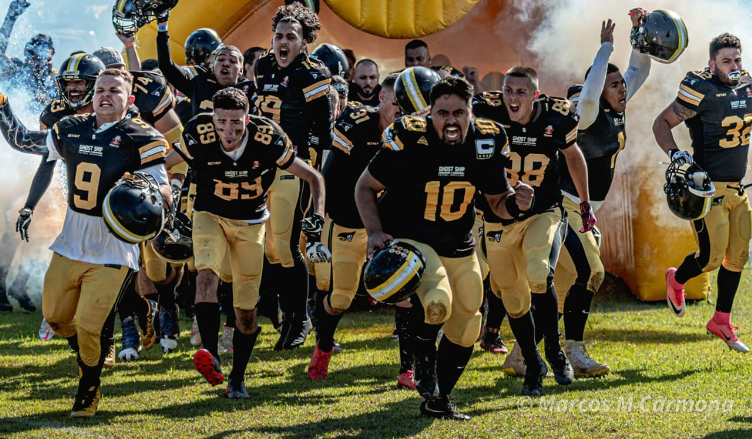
point(118, 228)
point(413, 91)
point(120, 7)
point(683, 38)
point(398, 280)
point(75, 60)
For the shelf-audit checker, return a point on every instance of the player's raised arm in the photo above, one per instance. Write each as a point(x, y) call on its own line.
point(18, 136)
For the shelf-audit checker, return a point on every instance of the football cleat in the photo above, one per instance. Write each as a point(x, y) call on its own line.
point(675, 293)
point(298, 333)
point(726, 333)
point(195, 335)
point(236, 391)
point(336, 347)
point(318, 368)
point(284, 329)
point(425, 376)
point(395, 333)
point(514, 364)
point(533, 384)
point(86, 403)
point(45, 332)
point(208, 366)
point(563, 373)
point(148, 332)
point(131, 343)
point(583, 365)
point(442, 408)
point(493, 343)
point(406, 380)
point(225, 341)
point(109, 360)
point(5, 305)
point(24, 301)
point(168, 324)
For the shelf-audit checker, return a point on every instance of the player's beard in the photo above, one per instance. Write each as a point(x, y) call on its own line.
point(726, 79)
point(362, 93)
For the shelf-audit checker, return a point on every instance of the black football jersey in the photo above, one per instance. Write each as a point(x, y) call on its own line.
point(53, 113)
point(356, 140)
point(533, 148)
point(236, 189)
point(601, 144)
point(720, 131)
point(95, 161)
point(153, 96)
point(431, 185)
point(297, 98)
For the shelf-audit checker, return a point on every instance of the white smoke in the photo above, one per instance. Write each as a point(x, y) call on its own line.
point(73, 25)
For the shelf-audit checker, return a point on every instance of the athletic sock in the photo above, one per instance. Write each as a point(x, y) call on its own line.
point(576, 311)
point(450, 364)
point(208, 318)
point(242, 348)
point(728, 284)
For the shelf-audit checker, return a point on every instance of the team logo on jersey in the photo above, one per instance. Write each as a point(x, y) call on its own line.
point(691, 81)
point(451, 171)
point(91, 150)
point(549, 131)
point(735, 105)
point(271, 87)
point(422, 141)
point(255, 165)
point(749, 92)
point(285, 81)
point(493, 236)
point(190, 139)
point(115, 143)
point(347, 236)
point(156, 92)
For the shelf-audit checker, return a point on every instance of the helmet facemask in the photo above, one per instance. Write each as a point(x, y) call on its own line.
point(689, 191)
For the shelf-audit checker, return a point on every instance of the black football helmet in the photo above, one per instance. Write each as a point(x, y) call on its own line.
point(662, 35)
point(333, 58)
point(126, 18)
point(174, 244)
point(199, 45)
point(689, 191)
point(147, 10)
point(394, 272)
point(449, 70)
point(413, 88)
point(134, 209)
point(80, 66)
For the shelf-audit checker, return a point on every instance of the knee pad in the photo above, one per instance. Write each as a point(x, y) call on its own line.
point(437, 306)
point(339, 302)
point(516, 304)
point(470, 333)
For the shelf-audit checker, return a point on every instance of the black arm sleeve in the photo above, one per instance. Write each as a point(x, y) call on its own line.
point(20, 138)
point(171, 71)
point(319, 112)
point(40, 183)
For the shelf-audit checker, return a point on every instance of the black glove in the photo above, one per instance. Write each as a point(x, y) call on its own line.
point(680, 157)
point(18, 7)
point(312, 226)
point(162, 16)
point(23, 222)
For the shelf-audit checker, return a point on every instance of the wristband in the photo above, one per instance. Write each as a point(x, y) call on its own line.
point(511, 205)
point(127, 45)
point(162, 27)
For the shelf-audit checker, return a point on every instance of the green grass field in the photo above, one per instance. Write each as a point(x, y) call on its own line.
point(669, 380)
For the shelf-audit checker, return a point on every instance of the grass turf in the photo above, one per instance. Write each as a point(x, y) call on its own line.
point(668, 380)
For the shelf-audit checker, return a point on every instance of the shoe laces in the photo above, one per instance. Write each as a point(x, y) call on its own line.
point(579, 353)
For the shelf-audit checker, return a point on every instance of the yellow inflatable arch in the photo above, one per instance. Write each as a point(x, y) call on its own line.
point(634, 247)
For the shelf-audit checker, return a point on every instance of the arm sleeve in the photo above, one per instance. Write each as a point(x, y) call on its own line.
point(318, 110)
point(157, 171)
point(171, 71)
point(593, 87)
point(20, 138)
point(637, 72)
point(40, 183)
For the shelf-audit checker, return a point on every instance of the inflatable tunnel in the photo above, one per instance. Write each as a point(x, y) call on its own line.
point(640, 237)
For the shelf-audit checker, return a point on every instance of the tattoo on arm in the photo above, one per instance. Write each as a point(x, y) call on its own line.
point(19, 137)
point(682, 112)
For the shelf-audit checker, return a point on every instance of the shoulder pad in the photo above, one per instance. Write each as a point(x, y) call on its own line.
point(150, 74)
point(490, 98)
point(487, 126)
point(573, 94)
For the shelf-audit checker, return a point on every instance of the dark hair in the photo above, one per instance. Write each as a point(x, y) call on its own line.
point(350, 55)
point(723, 41)
point(250, 55)
point(297, 13)
point(340, 84)
point(389, 81)
point(366, 61)
point(452, 85)
point(611, 68)
point(127, 77)
point(230, 98)
point(524, 72)
point(150, 64)
point(414, 44)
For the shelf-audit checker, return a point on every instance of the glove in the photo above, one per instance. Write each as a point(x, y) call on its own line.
point(162, 16)
point(588, 217)
point(177, 191)
point(23, 222)
point(312, 226)
point(680, 157)
point(18, 7)
point(3, 100)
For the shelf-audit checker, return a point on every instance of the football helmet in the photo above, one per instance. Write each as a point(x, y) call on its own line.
point(394, 272)
point(689, 191)
point(199, 45)
point(134, 209)
point(662, 35)
point(80, 66)
point(333, 58)
point(126, 18)
point(148, 10)
point(174, 244)
point(413, 88)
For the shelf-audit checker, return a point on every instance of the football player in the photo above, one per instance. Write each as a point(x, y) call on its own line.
point(356, 140)
point(91, 268)
point(416, 54)
point(235, 156)
point(250, 57)
point(714, 104)
point(540, 128)
point(365, 87)
point(293, 91)
point(430, 167)
point(601, 103)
